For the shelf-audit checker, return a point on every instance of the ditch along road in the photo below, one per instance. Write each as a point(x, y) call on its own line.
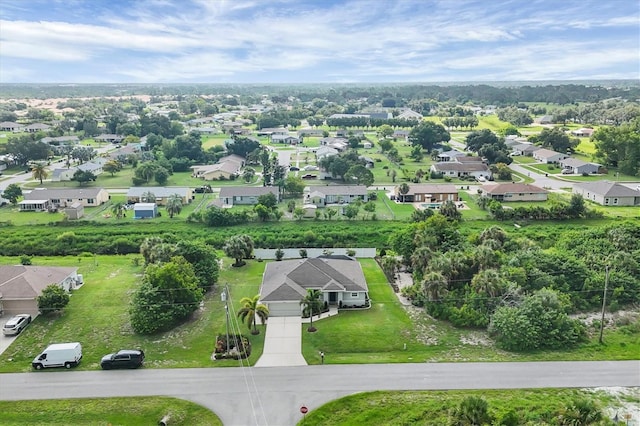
point(273, 396)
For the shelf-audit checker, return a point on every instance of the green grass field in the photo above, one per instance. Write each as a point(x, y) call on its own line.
point(434, 408)
point(139, 411)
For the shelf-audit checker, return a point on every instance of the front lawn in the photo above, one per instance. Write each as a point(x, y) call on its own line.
point(97, 316)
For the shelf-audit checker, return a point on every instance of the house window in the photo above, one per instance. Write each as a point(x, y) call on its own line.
point(354, 294)
point(606, 201)
point(615, 201)
point(55, 200)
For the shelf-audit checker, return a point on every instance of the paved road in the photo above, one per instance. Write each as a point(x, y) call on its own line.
point(273, 396)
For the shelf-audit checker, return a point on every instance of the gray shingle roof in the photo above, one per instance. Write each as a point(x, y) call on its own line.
point(511, 188)
point(158, 191)
point(27, 282)
point(340, 190)
point(608, 189)
point(289, 280)
point(49, 194)
point(247, 191)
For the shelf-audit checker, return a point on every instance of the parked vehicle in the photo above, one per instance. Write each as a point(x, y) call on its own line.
point(126, 358)
point(481, 179)
point(16, 324)
point(65, 355)
point(567, 171)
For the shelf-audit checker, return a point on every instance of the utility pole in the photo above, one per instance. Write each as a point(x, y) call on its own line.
point(225, 299)
point(604, 300)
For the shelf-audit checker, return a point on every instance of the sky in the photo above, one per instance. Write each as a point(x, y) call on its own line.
point(317, 41)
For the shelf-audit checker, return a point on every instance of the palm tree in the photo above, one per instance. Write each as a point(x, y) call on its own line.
point(311, 303)
point(148, 197)
point(250, 309)
point(174, 205)
point(248, 174)
point(403, 190)
point(435, 285)
point(40, 172)
point(118, 209)
point(488, 282)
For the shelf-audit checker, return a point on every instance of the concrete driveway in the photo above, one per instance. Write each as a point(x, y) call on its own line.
point(282, 343)
point(5, 341)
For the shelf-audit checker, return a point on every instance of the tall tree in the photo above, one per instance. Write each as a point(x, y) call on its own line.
point(428, 134)
point(12, 192)
point(238, 247)
point(251, 308)
point(118, 209)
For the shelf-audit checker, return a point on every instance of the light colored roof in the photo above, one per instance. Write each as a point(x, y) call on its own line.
point(340, 189)
point(526, 147)
point(247, 191)
point(57, 193)
point(513, 188)
point(573, 162)
point(289, 280)
point(546, 153)
point(144, 206)
point(428, 188)
point(158, 191)
point(607, 189)
point(461, 167)
point(27, 282)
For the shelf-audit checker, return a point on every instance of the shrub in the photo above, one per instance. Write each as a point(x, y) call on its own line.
point(25, 260)
point(53, 298)
point(279, 254)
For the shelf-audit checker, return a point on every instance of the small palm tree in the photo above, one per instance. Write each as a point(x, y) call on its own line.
point(311, 303)
point(174, 205)
point(39, 171)
point(118, 209)
point(252, 309)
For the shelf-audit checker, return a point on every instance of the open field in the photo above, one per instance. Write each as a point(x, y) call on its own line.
point(137, 411)
point(537, 406)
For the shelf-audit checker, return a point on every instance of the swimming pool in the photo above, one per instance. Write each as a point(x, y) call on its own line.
point(430, 205)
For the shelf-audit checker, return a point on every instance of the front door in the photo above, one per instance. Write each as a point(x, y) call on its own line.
point(333, 298)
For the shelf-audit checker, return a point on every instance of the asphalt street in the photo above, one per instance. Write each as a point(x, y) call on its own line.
point(273, 396)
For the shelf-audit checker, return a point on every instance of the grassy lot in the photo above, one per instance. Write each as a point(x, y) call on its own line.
point(378, 335)
point(209, 141)
point(523, 159)
point(586, 146)
point(473, 212)
point(106, 411)
point(97, 316)
point(536, 406)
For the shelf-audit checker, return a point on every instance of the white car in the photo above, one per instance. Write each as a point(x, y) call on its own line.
point(16, 324)
point(481, 179)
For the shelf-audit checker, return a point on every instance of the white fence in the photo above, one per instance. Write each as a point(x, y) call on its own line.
point(294, 253)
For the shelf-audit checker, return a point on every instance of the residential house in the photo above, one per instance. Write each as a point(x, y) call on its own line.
point(584, 132)
point(578, 166)
point(233, 195)
point(136, 194)
point(468, 159)
point(427, 193)
point(43, 199)
point(226, 168)
point(21, 285)
point(285, 139)
point(367, 145)
point(548, 156)
point(66, 174)
point(512, 140)
point(607, 193)
point(61, 140)
point(455, 169)
point(400, 134)
point(325, 151)
point(10, 126)
point(369, 163)
point(285, 284)
point(526, 149)
point(450, 155)
point(310, 132)
point(206, 130)
point(545, 119)
point(335, 194)
point(514, 192)
point(270, 131)
point(409, 114)
point(121, 154)
point(109, 138)
point(37, 127)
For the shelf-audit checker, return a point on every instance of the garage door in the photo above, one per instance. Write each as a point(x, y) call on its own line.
point(284, 309)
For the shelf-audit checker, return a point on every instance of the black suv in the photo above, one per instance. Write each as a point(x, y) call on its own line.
point(126, 358)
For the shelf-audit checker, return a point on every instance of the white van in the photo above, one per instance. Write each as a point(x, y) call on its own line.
point(65, 355)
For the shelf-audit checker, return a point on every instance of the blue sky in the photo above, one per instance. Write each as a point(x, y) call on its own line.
point(304, 41)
